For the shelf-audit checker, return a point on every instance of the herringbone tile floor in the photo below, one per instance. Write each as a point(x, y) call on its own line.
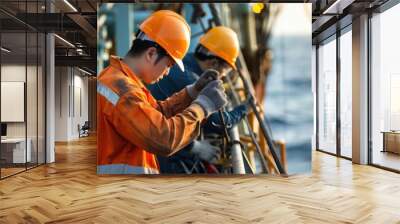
point(69, 191)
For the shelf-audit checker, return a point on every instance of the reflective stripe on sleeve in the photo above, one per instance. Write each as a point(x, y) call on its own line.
point(125, 169)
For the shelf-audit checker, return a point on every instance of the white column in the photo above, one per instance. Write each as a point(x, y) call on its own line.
point(50, 93)
point(360, 90)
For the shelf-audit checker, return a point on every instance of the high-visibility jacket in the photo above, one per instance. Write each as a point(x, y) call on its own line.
point(133, 126)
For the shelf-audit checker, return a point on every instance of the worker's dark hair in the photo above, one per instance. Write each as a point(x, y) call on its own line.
point(139, 46)
point(204, 54)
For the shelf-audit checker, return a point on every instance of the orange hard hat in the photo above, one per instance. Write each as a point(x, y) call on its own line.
point(170, 31)
point(223, 42)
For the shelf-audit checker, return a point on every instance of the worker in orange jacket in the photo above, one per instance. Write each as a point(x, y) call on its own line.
point(132, 125)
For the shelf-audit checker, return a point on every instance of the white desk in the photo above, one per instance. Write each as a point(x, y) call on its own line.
point(17, 147)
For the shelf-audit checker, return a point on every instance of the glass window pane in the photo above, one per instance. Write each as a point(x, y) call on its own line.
point(327, 97)
point(32, 96)
point(386, 89)
point(346, 94)
point(14, 153)
point(22, 88)
point(41, 99)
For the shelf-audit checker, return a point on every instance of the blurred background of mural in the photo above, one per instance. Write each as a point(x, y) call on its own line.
point(276, 44)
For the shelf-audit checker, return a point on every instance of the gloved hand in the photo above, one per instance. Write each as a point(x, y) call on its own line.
point(205, 151)
point(241, 110)
point(245, 106)
point(212, 97)
point(205, 78)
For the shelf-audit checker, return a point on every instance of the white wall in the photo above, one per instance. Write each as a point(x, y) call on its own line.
point(80, 110)
point(71, 94)
point(61, 103)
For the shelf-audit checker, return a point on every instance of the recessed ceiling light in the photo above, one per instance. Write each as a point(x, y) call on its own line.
point(64, 40)
point(84, 71)
point(5, 50)
point(70, 5)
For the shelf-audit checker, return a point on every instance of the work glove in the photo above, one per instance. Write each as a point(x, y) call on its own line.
point(212, 97)
point(205, 151)
point(245, 107)
point(242, 109)
point(205, 78)
point(239, 112)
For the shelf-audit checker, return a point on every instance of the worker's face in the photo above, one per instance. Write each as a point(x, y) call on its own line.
point(222, 67)
point(156, 68)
